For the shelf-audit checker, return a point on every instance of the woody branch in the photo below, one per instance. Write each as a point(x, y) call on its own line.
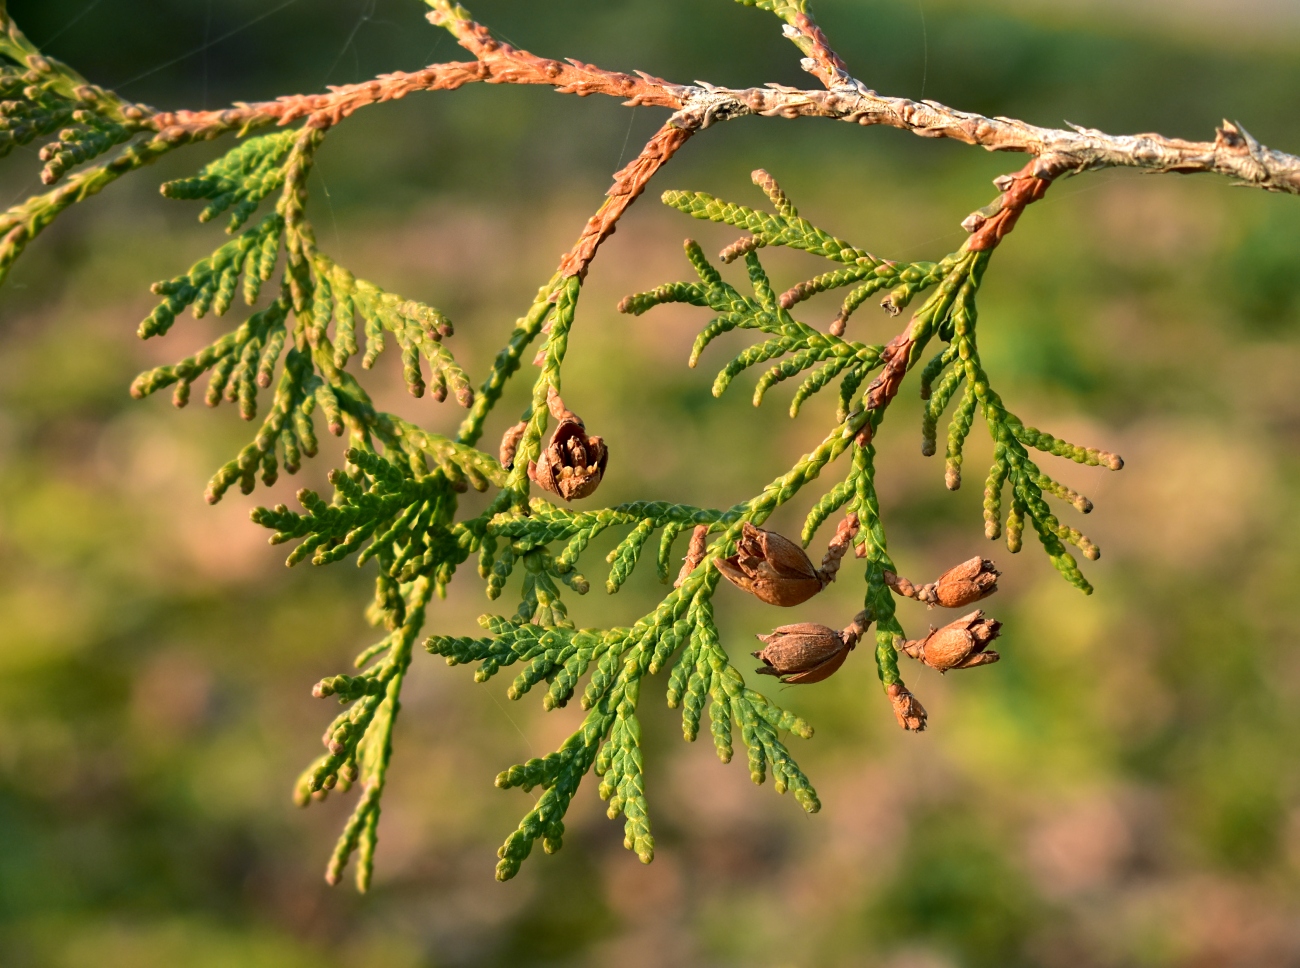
point(1233, 152)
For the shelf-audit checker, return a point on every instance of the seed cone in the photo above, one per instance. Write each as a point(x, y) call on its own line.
point(807, 651)
point(573, 463)
point(908, 710)
point(967, 583)
point(962, 644)
point(802, 653)
point(962, 585)
point(772, 568)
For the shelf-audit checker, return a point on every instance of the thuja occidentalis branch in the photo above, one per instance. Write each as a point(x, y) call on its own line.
point(395, 501)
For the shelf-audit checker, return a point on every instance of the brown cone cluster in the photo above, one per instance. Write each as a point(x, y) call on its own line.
point(962, 644)
point(772, 568)
point(957, 587)
point(572, 464)
point(775, 570)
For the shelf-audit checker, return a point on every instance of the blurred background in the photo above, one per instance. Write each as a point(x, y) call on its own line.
point(1123, 789)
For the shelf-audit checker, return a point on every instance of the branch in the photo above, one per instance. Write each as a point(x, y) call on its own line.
point(496, 63)
point(1234, 152)
point(407, 508)
point(505, 64)
point(628, 185)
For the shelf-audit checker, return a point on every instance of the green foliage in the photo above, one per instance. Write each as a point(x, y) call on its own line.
point(360, 741)
point(42, 97)
point(396, 500)
point(785, 9)
point(314, 293)
point(949, 314)
point(243, 177)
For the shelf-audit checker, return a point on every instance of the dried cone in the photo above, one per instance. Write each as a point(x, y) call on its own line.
point(808, 652)
point(967, 583)
point(802, 653)
point(962, 644)
point(907, 710)
point(572, 464)
point(772, 568)
point(957, 587)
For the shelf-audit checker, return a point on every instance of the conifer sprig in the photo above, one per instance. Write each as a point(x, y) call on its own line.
point(949, 314)
point(396, 500)
point(359, 742)
point(315, 292)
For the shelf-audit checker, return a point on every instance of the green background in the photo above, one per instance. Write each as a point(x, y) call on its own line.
point(1121, 790)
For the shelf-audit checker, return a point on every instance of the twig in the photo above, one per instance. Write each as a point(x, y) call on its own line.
point(1234, 152)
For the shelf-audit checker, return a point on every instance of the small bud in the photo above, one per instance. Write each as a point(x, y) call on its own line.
point(959, 645)
point(1015, 528)
point(742, 246)
point(952, 475)
point(772, 568)
point(510, 443)
point(802, 653)
point(907, 710)
point(573, 463)
point(694, 553)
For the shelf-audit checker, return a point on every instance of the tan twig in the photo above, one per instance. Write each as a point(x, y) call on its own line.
point(897, 359)
point(1233, 152)
point(839, 544)
point(628, 184)
point(335, 105)
point(991, 224)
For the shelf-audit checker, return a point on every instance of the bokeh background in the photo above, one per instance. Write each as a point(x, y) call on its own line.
point(1121, 790)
